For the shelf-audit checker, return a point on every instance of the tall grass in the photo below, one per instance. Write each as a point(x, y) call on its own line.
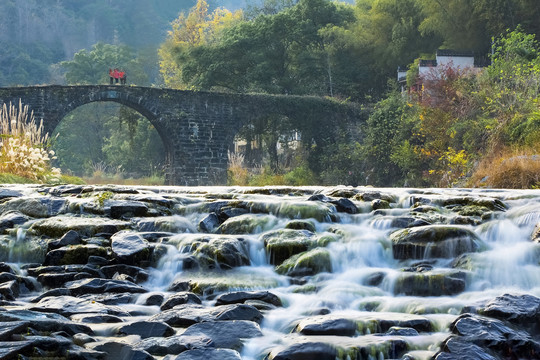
point(23, 145)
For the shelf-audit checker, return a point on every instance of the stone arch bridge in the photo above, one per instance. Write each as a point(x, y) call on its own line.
point(197, 128)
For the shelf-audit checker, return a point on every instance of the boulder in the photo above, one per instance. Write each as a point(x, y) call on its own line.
point(284, 243)
point(146, 329)
point(45, 321)
point(130, 248)
point(210, 252)
point(225, 334)
point(431, 283)
point(100, 286)
point(209, 223)
point(307, 263)
point(12, 218)
point(36, 207)
point(69, 305)
point(85, 226)
point(70, 238)
point(240, 297)
point(521, 310)
point(247, 224)
point(433, 241)
point(189, 314)
point(184, 297)
point(119, 209)
point(173, 345)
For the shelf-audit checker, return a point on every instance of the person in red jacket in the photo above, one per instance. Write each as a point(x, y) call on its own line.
point(111, 76)
point(116, 75)
point(122, 77)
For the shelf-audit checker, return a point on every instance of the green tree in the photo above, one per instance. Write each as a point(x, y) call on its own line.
point(91, 67)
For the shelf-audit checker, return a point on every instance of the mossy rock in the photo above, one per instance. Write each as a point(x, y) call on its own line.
point(322, 212)
point(307, 263)
point(247, 224)
point(433, 241)
point(85, 226)
point(173, 224)
point(210, 252)
point(300, 225)
point(38, 207)
point(210, 284)
point(284, 243)
point(488, 203)
point(431, 283)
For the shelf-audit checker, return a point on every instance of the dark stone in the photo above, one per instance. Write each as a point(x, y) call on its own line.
point(9, 290)
point(337, 327)
point(209, 223)
point(70, 238)
point(69, 305)
point(228, 212)
point(127, 209)
point(522, 310)
point(209, 354)
point(455, 348)
point(225, 334)
point(100, 286)
point(173, 344)
point(301, 225)
point(319, 197)
point(79, 353)
point(345, 205)
point(146, 329)
point(77, 254)
point(96, 318)
point(189, 314)
point(401, 331)
point(431, 283)
point(120, 351)
point(8, 329)
point(6, 268)
point(51, 293)
point(180, 298)
point(45, 322)
point(154, 300)
point(58, 280)
point(179, 285)
point(240, 297)
point(305, 351)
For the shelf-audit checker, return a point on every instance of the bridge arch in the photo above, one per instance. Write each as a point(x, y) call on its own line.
point(197, 128)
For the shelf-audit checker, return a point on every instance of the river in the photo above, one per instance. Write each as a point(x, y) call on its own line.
point(357, 272)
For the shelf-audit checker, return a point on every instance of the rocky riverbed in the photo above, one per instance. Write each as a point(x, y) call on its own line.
point(277, 273)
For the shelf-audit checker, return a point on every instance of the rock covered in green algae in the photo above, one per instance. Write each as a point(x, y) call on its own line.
point(433, 241)
point(431, 283)
point(283, 243)
point(307, 263)
point(247, 224)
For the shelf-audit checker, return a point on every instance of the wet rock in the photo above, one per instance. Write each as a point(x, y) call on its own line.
point(169, 224)
point(91, 318)
point(172, 345)
point(36, 207)
point(209, 354)
point(69, 238)
point(9, 290)
point(76, 254)
point(8, 329)
point(100, 286)
point(209, 223)
point(130, 248)
point(522, 310)
point(306, 350)
point(126, 209)
point(300, 225)
point(69, 305)
point(180, 298)
point(10, 219)
point(45, 322)
point(119, 350)
point(110, 299)
point(79, 353)
point(49, 280)
point(240, 297)
point(8, 193)
point(214, 252)
point(146, 329)
point(436, 241)
point(282, 244)
point(431, 283)
point(189, 314)
point(307, 263)
point(326, 326)
point(458, 349)
point(225, 334)
point(495, 335)
point(247, 224)
point(473, 203)
point(85, 226)
point(401, 331)
point(379, 204)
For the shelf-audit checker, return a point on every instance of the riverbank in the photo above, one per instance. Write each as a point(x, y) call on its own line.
point(110, 272)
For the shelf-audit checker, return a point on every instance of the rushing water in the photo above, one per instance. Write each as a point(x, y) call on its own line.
point(364, 281)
